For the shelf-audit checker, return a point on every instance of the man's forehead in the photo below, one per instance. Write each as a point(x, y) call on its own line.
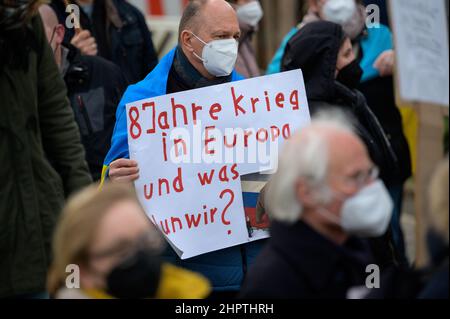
point(48, 16)
point(218, 17)
point(347, 155)
point(223, 28)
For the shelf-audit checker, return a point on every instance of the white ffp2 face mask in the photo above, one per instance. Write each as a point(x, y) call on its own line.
point(219, 56)
point(339, 11)
point(250, 13)
point(366, 214)
point(369, 212)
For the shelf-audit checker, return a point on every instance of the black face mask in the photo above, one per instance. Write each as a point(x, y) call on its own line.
point(350, 75)
point(137, 277)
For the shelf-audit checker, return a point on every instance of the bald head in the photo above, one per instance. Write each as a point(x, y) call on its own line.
point(341, 151)
point(48, 17)
point(198, 12)
point(209, 20)
point(53, 30)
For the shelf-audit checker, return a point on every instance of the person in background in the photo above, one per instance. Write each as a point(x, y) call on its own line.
point(344, 12)
point(249, 13)
point(206, 55)
point(324, 201)
point(37, 129)
point(432, 281)
point(373, 48)
point(106, 235)
point(95, 87)
point(115, 30)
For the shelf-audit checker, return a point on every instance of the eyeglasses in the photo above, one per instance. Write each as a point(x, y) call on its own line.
point(362, 178)
point(53, 35)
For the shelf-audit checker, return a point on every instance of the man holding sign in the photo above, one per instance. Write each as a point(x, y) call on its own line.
point(199, 206)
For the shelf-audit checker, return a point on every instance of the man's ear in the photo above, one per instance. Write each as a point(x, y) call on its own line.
point(59, 33)
point(305, 194)
point(186, 40)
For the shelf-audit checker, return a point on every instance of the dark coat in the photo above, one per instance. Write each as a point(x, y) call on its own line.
point(299, 263)
point(36, 126)
point(380, 96)
point(314, 49)
point(122, 35)
point(95, 87)
point(437, 286)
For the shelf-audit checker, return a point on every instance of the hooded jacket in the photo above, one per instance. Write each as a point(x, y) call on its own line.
point(314, 49)
point(379, 91)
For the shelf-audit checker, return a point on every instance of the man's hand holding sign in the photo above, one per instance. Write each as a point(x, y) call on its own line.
point(192, 147)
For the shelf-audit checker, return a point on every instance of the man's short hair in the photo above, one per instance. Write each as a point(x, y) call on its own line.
point(190, 14)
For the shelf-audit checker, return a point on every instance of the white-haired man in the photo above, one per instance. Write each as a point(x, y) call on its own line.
point(325, 196)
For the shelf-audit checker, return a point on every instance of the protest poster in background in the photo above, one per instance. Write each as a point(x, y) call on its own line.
point(422, 51)
point(192, 148)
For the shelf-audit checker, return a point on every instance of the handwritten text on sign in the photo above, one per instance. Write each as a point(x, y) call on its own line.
point(421, 41)
point(192, 147)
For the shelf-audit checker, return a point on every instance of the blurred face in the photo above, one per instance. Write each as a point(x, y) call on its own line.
point(345, 55)
point(118, 233)
point(317, 7)
point(217, 21)
point(349, 172)
point(350, 169)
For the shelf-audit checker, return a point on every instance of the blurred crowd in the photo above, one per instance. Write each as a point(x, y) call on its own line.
point(334, 204)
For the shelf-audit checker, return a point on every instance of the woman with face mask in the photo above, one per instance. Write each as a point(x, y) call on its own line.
point(332, 73)
point(249, 13)
point(350, 14)
point(106, 247)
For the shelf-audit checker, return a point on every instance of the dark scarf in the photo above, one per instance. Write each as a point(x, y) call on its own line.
point(183, 76)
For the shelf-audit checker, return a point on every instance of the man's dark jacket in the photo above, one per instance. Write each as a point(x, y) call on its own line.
point(299, 263)
point(95, 87)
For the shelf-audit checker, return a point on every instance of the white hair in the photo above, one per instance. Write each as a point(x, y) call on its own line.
point(305, 157)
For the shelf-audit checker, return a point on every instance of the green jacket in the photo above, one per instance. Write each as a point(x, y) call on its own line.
point(37, 127)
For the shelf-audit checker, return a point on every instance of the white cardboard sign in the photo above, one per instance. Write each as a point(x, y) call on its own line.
point(189, 183)
point(421, 45)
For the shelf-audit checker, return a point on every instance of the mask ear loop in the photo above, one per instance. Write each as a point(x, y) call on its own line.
point(204, 43)
point(326, 197)
point(51, 40)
